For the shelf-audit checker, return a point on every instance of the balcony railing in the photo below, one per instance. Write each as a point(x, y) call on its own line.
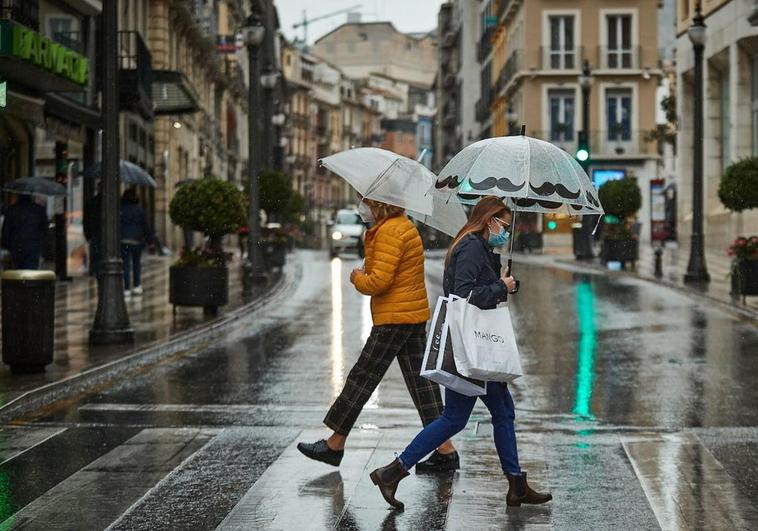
point(485, 45)
point(25, 12)
point(136, 73)
point(561, 59)
point(619, 59)
point(603, 144)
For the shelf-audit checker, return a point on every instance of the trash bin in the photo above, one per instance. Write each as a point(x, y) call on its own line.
point(28, 308)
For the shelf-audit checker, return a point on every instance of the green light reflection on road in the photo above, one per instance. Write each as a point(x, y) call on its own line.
point(585, 370)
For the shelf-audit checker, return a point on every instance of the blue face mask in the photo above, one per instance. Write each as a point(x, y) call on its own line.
point(499, 239)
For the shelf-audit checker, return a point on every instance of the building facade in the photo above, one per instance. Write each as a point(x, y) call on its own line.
point(730, 108)
point(531, 56)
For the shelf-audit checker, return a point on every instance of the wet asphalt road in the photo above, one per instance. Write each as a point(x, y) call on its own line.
point(637, 410)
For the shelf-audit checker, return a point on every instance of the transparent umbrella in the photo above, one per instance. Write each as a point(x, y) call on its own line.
point(384, 176)
point(530, 175)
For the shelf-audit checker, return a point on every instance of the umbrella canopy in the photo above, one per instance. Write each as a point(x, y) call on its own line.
point(35, 185)
point(385, 176)
point(534, 176)
point(448, 215)
point(130, 174)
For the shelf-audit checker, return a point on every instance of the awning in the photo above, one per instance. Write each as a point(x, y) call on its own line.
point(173, 93)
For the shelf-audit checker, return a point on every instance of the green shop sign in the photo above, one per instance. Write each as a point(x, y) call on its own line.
point(28, 45)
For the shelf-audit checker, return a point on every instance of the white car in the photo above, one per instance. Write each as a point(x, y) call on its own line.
point(346, 233)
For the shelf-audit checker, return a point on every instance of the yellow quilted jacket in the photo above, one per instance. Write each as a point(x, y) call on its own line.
point(394, 273)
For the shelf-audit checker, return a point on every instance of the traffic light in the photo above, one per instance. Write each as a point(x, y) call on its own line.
point(583, 148)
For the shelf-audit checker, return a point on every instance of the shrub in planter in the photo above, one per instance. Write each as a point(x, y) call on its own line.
point(738, 189)
point(744, 270)
point(215, 208)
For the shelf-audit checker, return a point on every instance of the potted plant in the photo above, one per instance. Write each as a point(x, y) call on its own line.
point(201, 277)
point(738, 191)
point(744, 270)
point(621, 199)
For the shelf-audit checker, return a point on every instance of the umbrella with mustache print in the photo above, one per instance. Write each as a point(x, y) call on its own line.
point(530, 175)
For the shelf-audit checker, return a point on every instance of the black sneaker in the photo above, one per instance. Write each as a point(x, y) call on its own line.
point(438, 462)
point(320, 451)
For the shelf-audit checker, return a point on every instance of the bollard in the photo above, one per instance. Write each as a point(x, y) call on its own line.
point(658, 262)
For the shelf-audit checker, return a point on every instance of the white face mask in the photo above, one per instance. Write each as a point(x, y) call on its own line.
point(365, 212)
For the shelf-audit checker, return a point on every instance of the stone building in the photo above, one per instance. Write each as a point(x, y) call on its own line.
point(730, 109)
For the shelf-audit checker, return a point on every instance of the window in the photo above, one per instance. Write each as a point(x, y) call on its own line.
point(619, 38)
point(618, 110)
point(562, 52)
point(561, 108)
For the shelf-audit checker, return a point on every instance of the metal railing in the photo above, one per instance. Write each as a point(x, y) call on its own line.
point(25, 12)
point(619, 58)
point(561, 59)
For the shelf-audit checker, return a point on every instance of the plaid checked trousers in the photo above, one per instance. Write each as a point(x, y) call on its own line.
point(385, 343)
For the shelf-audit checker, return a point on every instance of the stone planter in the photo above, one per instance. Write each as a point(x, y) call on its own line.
point(620, 250)
point(745, 277)
point(199, 286)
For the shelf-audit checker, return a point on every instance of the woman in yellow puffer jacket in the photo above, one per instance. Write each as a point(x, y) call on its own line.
point(393, 276)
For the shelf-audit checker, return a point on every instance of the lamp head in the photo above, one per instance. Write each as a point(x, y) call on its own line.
point(269, 78)
point(696, 31)
point(585, 78)
point(254, 31)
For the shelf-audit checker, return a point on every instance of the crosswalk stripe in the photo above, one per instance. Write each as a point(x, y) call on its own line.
point(686, 486)
point(98, 493)
point(290, 494)
point(18, 440)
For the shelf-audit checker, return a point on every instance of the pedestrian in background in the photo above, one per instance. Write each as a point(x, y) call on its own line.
point(135, 234)
point(472, 269)
point(393, 276)
point(25, 228)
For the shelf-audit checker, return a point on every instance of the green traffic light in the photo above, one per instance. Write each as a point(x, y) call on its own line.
point(552, 225)
point(582, 154)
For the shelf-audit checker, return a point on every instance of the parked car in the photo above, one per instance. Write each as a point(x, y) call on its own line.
point(346, 233)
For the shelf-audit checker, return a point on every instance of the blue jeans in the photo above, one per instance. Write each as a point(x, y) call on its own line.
point(454, 417)
point(131, 255)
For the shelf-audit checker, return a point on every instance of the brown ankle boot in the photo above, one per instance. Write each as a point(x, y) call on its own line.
point(387, 479)
point(520, 492)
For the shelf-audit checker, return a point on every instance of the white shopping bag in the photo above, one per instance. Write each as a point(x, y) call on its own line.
point(484, 344)
point(439, 363)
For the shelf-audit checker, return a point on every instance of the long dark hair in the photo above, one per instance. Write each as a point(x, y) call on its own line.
point(488, 207)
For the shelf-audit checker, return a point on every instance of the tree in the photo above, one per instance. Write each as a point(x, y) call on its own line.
point(278, 199)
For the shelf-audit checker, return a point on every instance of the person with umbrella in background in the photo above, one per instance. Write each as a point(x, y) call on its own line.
point(472, 270)
point(135, 234)
point(393, 276)
point(24, 230)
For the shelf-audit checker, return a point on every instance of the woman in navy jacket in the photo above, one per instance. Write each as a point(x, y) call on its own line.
point(472, 269)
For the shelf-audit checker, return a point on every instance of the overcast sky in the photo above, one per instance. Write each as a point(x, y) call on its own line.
point(407, 15)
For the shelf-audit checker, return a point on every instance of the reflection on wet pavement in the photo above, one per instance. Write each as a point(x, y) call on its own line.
point(636, 411)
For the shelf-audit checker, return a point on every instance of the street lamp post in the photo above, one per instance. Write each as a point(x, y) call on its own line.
point(583, 249)
point(269, 80)
point(696, 268)
point(254, 272)
point(111, 324)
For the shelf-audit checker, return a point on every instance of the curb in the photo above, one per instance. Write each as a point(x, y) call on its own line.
point(150, 355)
point(748, 313)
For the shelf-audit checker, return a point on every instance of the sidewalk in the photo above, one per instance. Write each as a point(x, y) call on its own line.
point(150, 315)
point(674, 266)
